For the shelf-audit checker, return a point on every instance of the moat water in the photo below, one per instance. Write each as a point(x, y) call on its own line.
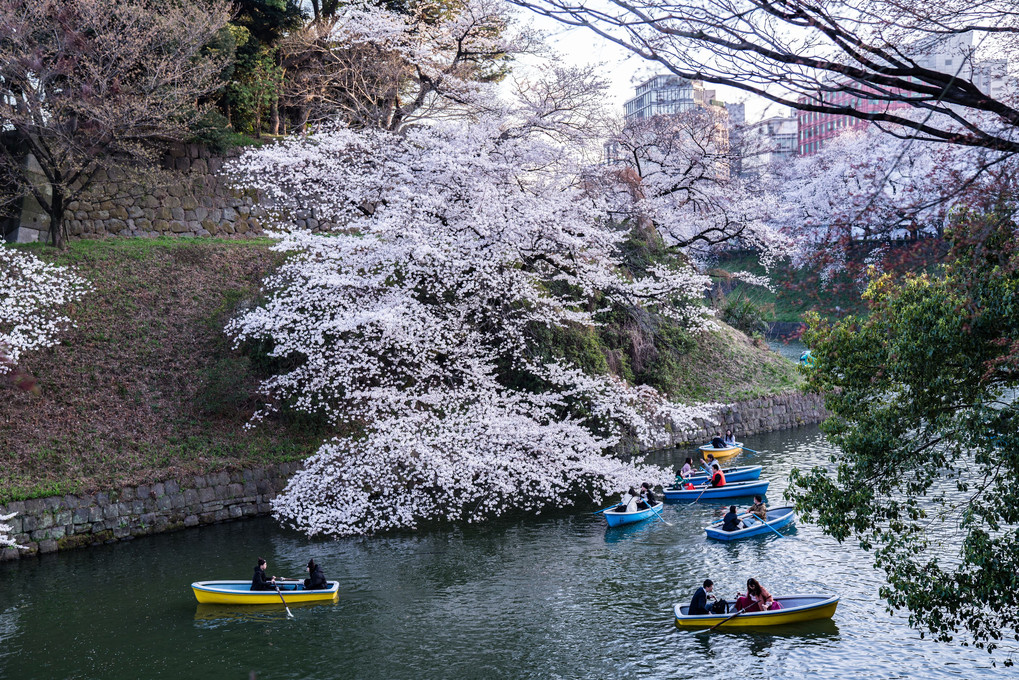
point(547, 597)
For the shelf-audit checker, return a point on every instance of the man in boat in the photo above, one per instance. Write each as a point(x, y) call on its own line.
point(316, 579)
point(717, 442)
point(708, 462)
point(731, 521)
point(717, 476)
point(259, 581)
point(647, 495)
point(699, 603)
point(759, 508)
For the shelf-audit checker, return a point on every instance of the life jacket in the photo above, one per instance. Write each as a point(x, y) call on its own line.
point(721, 475)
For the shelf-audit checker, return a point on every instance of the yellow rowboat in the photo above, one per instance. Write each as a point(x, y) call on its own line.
point(795, 609)
point(727, 452)
point(240, 592)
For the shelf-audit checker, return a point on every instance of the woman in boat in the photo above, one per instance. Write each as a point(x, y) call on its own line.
point(316, 579)
point(759, 508)
point(259, 581)
point(688, 469)
point(731, 521)
point(757, 598)
point(730, 438)
point(717, 476)
point(628, 503)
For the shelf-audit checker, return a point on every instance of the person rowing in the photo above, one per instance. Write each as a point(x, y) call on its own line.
point(759, 508)
point(647, 495)
point(717, 476)
point(258, 579)
point(717, 442)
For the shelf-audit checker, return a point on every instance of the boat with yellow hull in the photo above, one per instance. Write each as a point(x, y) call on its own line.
point(726, 452)
point(240, 592)
point(795, 609)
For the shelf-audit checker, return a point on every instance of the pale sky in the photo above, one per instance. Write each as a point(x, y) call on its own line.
point(624, 70)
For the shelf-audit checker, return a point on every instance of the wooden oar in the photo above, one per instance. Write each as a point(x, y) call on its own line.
point(706, 487)
point(289, 615)
point(656, 514)
point(765, 523)
point(730, 618)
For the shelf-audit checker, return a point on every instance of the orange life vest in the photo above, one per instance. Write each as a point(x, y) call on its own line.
point(721, 476)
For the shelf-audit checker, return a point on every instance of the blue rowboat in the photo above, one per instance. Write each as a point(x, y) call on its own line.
point(795, 609)
point(777, 518)
point(727, 491)
point(741, 473)
point(615, 518)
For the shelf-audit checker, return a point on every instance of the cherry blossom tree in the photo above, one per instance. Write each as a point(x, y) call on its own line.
point(32, 304)
point(891, 197)
point(678, 175)
point(6, 540)
point(409, 326)
point(375, 67)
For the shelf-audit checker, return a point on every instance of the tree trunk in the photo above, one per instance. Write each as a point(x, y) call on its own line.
point(56, 213)
point(274, 117)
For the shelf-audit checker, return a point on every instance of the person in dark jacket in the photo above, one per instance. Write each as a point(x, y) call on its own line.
point(647, 494)
point(699, 603)
point(259, 581)
point(731, 521)
point(316, 579)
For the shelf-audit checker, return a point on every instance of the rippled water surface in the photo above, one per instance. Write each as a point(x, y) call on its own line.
point(555, 597)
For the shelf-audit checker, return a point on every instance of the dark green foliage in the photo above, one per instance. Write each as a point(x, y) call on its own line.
point(924, 413)
point(740, 311)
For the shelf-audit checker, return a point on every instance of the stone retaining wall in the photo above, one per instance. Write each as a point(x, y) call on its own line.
point(62, 522)
point(46, 525)
point(766, 414)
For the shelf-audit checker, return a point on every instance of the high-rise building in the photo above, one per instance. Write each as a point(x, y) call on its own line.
point(955, 56)
point(666, 95)
point(768, 142)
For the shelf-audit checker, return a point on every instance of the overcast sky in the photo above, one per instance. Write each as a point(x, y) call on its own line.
point(624, 70)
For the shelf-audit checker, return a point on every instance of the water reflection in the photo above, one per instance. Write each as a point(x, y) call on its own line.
point(558, 596)
point(215, 615)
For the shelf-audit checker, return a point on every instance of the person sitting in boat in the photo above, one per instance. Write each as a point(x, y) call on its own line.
point(316, 579)
point(699, 603)
point(259, 581)
point(757, 598)
point(731, 521)
point(759, 508)
point(717, 476)
point(709, 461)
point(730, 438)
point(647, 495)
point(628, 503)
point(688, 469)
point(717, 442)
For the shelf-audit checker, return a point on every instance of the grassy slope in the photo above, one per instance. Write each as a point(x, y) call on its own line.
point(146, 386)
